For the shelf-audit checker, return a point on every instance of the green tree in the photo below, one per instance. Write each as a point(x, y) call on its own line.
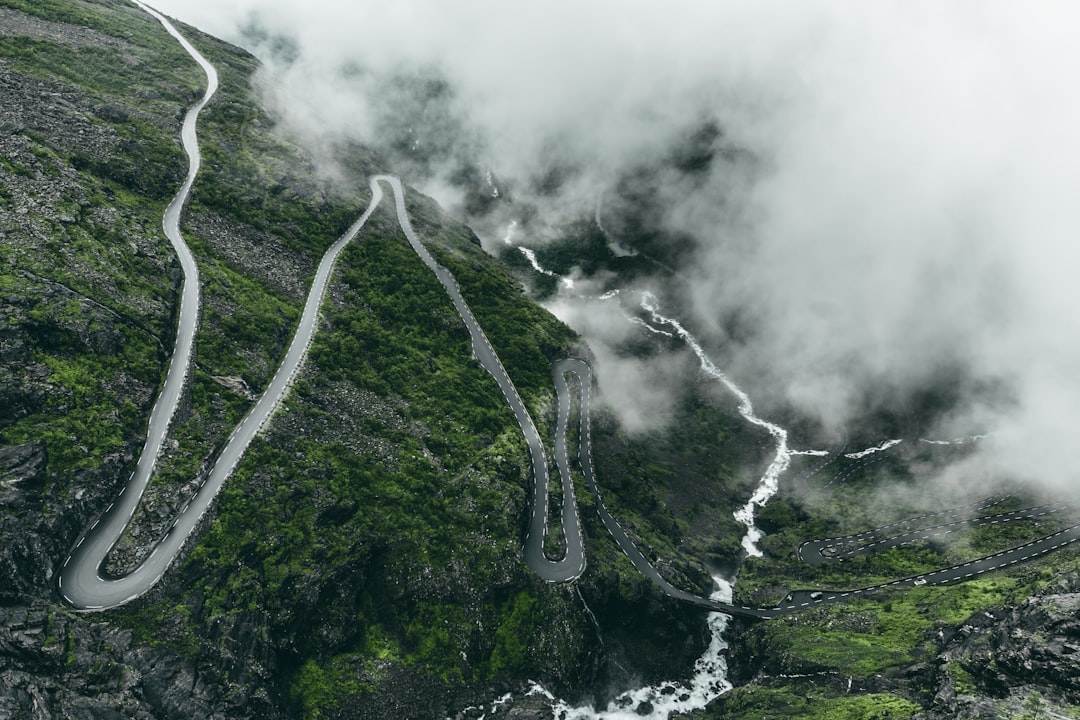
point(1034, 707)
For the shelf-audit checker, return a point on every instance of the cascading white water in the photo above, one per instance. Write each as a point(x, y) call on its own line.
point(955, 441)
point(659, 702)
point(871, 450)
point(770, 480)
point(528, 253)
point(531, 257)
point(709, 680)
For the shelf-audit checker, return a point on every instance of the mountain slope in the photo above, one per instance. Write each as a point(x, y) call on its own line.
point(366, 557)
point(365, 560)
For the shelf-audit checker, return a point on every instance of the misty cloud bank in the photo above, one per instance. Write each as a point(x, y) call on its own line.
point(877, 209)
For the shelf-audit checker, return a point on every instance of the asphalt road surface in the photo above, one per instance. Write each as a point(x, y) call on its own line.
point(79, 580)
point(572, 564)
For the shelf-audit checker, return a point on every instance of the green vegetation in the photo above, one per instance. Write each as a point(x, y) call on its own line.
point(855, 504)
point(884, 634)
point(400, 333)
point(865, 637)
point(92, 282)
point(104, 17)
point(376, 525)
point(244, 318)
point(378, 520)
point(74, 438)
point(162, 624)
point(525, 335)
point(105, 65)
point(785, 703)
point(511, 639)
point(318, 689)
point(84, 419)
point(432, 476)
point(675, 489)
point(555, 539)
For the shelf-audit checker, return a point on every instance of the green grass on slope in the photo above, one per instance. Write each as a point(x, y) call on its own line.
point(881, 637)
point(526, 336)
point(768, 703)
point(94, 166)
point(895, 630)
point(128, 56)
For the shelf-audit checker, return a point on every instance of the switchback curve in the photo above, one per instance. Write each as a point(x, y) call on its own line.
point(79, 571)
point(80, 581)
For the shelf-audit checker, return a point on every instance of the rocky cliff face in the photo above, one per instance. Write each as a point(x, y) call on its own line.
point(1014, 661)
point(1009, 660)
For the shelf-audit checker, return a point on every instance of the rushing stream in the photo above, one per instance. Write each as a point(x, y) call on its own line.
point(530, 255)
point(660, 701)
point(770, 479)
point(709, 679)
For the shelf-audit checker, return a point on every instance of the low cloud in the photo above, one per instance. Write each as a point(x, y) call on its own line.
point(637, 377)
point(884, 216)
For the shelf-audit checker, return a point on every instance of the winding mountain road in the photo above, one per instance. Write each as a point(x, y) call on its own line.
point(818, 552)
point(802, 599)
point(810, 552)
point(583, 373)
point(80, 580)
